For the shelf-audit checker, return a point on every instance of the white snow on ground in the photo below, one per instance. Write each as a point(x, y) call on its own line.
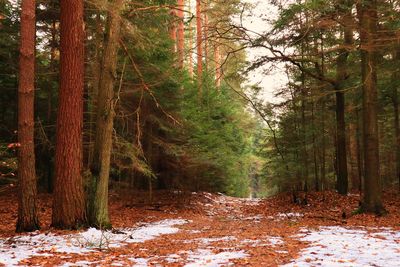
point(206, 258)
point(214, 239)
point(139, 262)
point(15, 249)
point(275, 240)
point(339, 246)
point(268, 241)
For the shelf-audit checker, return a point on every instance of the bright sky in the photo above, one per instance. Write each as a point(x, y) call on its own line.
point(270, 77)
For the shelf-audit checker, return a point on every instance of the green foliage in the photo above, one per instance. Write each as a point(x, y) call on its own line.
point(219, 138)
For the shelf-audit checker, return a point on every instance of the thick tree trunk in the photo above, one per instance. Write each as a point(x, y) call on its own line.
point(69, 203)
point(341, 76)
point(371, 201)
point(27, 211)
point(106, 101)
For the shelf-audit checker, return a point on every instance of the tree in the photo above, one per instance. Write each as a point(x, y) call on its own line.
point(341, 77)
point(199, 43)
point(27, 211)
point(371, 201)
point(106, 101)
point(69, 202)
point(181, 33)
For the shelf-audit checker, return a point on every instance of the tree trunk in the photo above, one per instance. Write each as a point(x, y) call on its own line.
point(69, 202)
point(395, 101)
point(181, 33)
point(27, 188)
point(323, 146)
point(106, 101)
point(199, 42)
point(304, 133)
point(371, 201)
point(353, 161)
point(341, 76)
point(205, 35)
point(316, 178)
point(93, 89)
point(190, 44)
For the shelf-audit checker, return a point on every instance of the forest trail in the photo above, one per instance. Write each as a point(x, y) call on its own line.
point(204, 229)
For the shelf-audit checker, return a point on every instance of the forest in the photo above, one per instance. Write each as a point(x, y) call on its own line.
point(199, 133)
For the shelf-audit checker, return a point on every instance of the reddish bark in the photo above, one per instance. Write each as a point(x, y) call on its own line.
point(181, 33)
point(190, 53)
point(69, 205)
point(199, 42)
point(27, 211)
point(205, 38)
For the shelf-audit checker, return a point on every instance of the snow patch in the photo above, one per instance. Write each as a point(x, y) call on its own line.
point(339, 246)
point(15, 249)
point(216, 239)
point(139, 262)
point(275, 240)
point(264, 242)
point(206, 258)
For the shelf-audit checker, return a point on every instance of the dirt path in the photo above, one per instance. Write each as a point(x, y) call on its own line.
point(203, 229)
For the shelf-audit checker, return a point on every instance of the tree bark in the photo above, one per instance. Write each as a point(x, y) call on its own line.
point(205, 35)
point(69, 202)
point(371, 201)
point(323, 146)
point(190, 45)
point(106, 101)
point(395, 101)
point(27, 188)
point(316, 178)
point(181, 33)
point(353, 161)
point(199, 42)
point(341, 77)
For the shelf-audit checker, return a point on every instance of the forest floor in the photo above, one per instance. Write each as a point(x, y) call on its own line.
point(203, 229)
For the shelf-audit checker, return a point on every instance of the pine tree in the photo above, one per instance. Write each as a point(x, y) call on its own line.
point(368, 15)
point(106, 101)
point(69, 202)
point(27, 210)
